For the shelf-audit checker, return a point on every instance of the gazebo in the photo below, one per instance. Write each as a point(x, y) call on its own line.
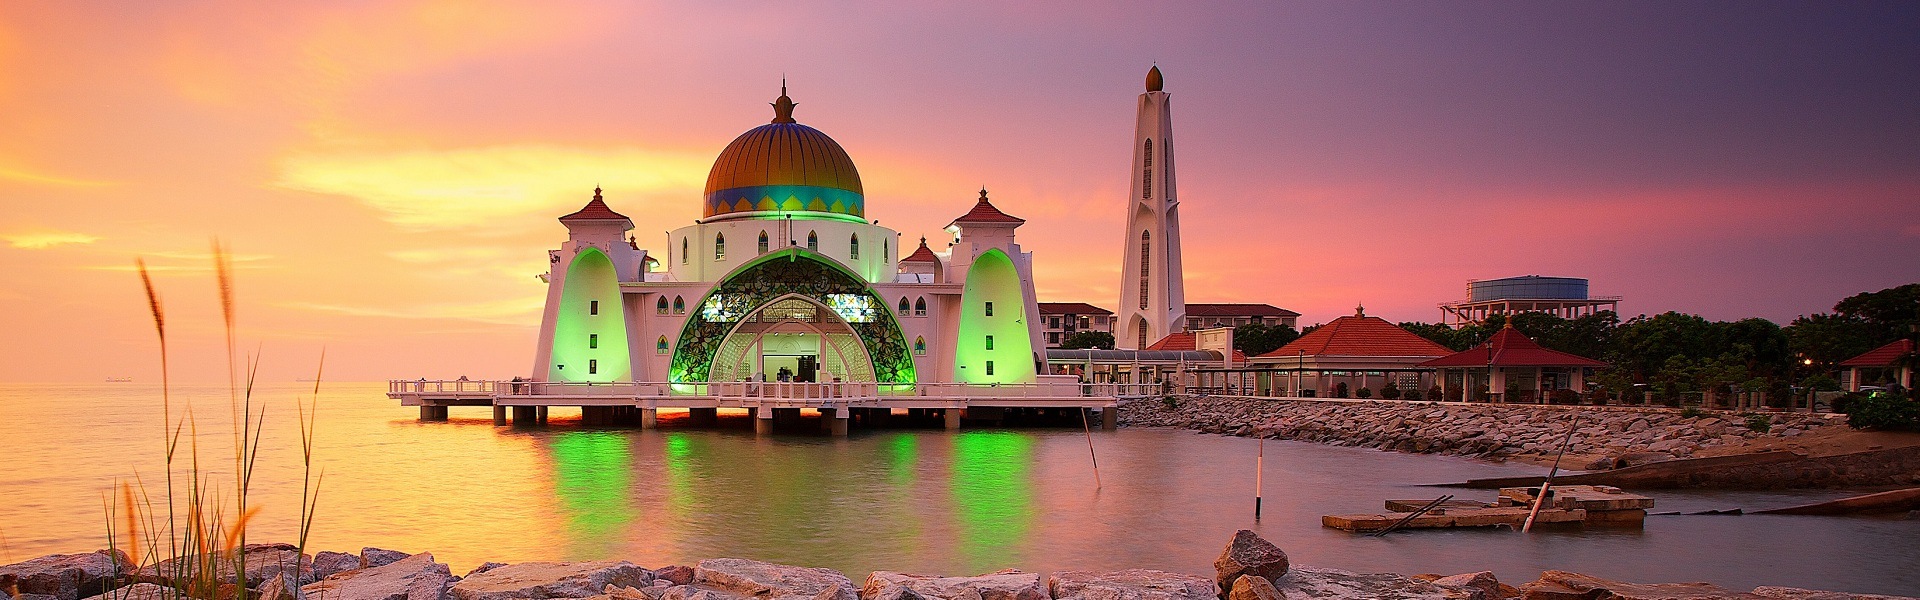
point(1885, 359)
point(1510, 353)
point(1359, 350)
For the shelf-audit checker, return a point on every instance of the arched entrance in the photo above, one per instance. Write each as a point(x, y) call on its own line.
point(709, 349)
point(792, 338)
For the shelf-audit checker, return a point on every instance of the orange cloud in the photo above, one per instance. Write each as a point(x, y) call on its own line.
point(47, 239)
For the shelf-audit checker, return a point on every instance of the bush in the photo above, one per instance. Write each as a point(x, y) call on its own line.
point(1563, 397)
point(1597, 396)
point(1340, 390)
point(1433, 393)
point(1171, 402)
point(1480, 394)
point(1888, 411)
point(1759, 423)
point(1363, 392)
point(1821, 382)
point(1634, 396)
point(1412, 394)
point(1690, 413)
point(1390, 391)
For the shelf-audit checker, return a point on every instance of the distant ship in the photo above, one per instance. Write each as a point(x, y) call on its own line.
point(119, 380)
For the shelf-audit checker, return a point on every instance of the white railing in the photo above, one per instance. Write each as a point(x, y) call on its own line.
point(1049, 386)
point(439, 386)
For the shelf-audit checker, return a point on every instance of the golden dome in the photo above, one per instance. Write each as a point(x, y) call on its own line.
point(1154, 81)
point(784, 166)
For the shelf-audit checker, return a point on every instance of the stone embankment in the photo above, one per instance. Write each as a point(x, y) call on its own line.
point(1250, 568)
point(1606, 436)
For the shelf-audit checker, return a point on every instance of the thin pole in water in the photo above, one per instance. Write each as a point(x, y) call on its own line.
point(1259, 468)
point(1088, 427)
point(1541, 497)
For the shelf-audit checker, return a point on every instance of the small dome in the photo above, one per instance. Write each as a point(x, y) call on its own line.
point(784, 166)
point(1154, 81)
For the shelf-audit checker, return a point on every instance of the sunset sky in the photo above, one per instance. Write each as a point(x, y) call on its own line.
point(387, 174)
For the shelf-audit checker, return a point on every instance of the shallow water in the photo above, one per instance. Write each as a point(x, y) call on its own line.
point(909, 500)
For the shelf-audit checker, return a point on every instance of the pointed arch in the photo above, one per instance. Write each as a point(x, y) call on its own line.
point(660, 346)
point(660, 307)
point(1146, 173)
point(719, 246)
point(919, 345)
point(679, 305)
point(792, 272)
point(853, 247)
point(1146, 266)
point(1143, 342)
point(585, 338)
point(905, 308)
point(886, 250)
point(683, 251)
point(813, 242)
point(763, 242)
point(920, 307)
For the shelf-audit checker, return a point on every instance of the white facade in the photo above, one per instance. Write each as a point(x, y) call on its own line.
point(1152, 295)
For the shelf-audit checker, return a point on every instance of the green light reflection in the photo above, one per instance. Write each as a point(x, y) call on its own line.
point(992, 490)
point(592, 477)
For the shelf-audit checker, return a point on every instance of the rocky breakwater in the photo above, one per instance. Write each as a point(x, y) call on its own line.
point(1606, 437)
point(1250, 568)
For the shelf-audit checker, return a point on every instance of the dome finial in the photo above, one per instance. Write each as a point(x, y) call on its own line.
point(783, 107)
point(1154, 81)
point(1360, 310)
point(596, 192)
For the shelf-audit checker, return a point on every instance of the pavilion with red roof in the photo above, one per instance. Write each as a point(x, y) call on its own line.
point(1512, 356)
point(1359, 350)
point(1885, 361)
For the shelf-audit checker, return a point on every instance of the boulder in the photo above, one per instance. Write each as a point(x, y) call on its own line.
point(484, 567)
point(690, 592)
point(416, 577)
point(66, 576)
point(326, 563)
point(550, 580)
point(676, 574)
point(767, 580)
point(1479, 586)
point(374, 557)
point(1131, 584)
point(1308, 582)
point(613, 592)
point(1562, 585)
point(1254, 587)
point(999, 585)
point(138, 591)
point(263, 562)
point(1787, 593)
point(1248, 554)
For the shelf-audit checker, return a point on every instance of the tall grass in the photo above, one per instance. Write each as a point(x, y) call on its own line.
point(206, 530)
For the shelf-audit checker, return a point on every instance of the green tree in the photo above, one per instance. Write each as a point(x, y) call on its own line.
point(1256, 339)
point(1827, 339)
point(1088, 339)
point(1889, 314)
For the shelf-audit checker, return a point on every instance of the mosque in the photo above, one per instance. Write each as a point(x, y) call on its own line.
point(785, 289)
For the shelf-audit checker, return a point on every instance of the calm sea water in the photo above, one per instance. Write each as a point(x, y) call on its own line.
point(909, 500)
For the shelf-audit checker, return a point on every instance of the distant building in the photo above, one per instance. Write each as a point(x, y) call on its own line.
point(1359, 350)
point(1223, 314)
point(1881, 365)
point(1565, 297)
point(1060, 320)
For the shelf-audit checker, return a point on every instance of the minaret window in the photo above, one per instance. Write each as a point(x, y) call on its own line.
point(593, 366)
point(1143, 336)
point(1149, 153)
point(661, 306)
point(593, 341)
point(679, 305)
point(853, 247)
point(920, 307)
point(989, 308)
point(989, 342)
point(1146, 265)
point(683, 251)
point(719, 246)
point(885, 254)
point(1146, 174)
point(593, 307)
point(813, 242)
point(989, 367)
point(763, 242)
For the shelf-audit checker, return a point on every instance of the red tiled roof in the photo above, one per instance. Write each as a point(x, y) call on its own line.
point(1510, 348)
point(984, 212)
point(1883, 356)
point(922, 254)
point(1071, 308)
point(1360, 336)
point(1184, 341)
point(595, 210)
point(1235, 309)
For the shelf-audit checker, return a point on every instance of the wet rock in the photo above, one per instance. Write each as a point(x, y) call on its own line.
point(1000, 585)
point(374, 557)
point(327, 563)
point(138, 591)
point(1249, 554)
point(1254, 587)
point(415, 577)
point(1787, 593)
point(767, 580)
point(550, 580)
point(263, 562)
point(66, 576)
point(1131, 584)
point(1479, 586)
point(1308, 582)
point(1562, 585)
point(676, 574)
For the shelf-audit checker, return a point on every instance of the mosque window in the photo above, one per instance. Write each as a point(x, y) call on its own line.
point(593, 307)
point(919, 345)
point(904, 307)
point(853, 247)
point(1146, 265)
point(593, 341)
point(763, 242)
point(989, 367)
point(989, 308)
point(989, 342)
point(1149, 153)
point(813, 242)
point(679, 305)
point(661, 306)
point(660, 346)
point(683, 251)
point(1143, 336)
point(593, 366)
point(920, 307)
point(886, 255)
point(719, 246)
point(1146, 174)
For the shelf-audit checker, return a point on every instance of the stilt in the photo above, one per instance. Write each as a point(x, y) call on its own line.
point(1110, 418)
point(763, 421)
point(499, 416)
point(953, 418)
point(649, 418)
point(433, 413)
point(540, 415)
point(877, 417)
point(839, 422)
point(827, 417)
point(523, 415)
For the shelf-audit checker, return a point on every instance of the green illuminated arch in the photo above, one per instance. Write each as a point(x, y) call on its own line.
point(590, 333)
point(992, 278)
point(791, 271)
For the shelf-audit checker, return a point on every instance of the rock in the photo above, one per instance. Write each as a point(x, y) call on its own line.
point(1562, 585)
point(550, 580)
point(1254, 587)
point(614, 592)
point(691, 592)
point(138, 591)
point(1308, 582)
point(374, 557)
point(1249, 554)
point(1599, 464)
point(327, 563)
point(66, 576)
point(1787, 593)
point(676, 574)
point(484, 567)
point(263, 562)
point(1480, 586)
point(1131, 584)
point(1640, 458)
point(415, 577)
point(999, 585)
point(767, 580)
point(1638, 425)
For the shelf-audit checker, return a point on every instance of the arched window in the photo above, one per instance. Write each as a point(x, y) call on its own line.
point(661, 306)
point(1143, 335)
point(763, 242)
point(853, 247)
point(660, 347)
point(904, 307)
point(813, 242)
point(679, 305)
point(1149, 153)
point(719, 246)
point(886, 254)
point(683, 251)
point(920, 306)
point(1146, 265)
point(919, 345)
point(1146, 174)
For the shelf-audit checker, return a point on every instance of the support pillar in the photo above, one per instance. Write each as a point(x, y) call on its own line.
point(649, 418)
point(433, 413)
point(523, 415)
point(953, 418)
point(763, 421)
point(838, 422)
point(1110, 418)
point(704, 417)
point(499, 416)
point(540, 415)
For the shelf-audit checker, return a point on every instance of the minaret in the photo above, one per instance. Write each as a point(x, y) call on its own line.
point(1153, 300)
